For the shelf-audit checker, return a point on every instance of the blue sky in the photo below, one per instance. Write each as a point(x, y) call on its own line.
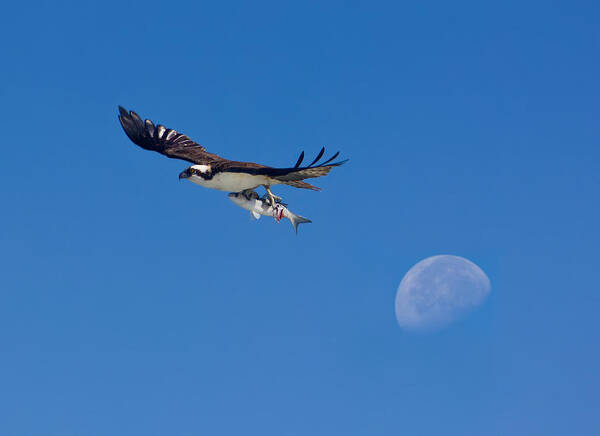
point(132, 303)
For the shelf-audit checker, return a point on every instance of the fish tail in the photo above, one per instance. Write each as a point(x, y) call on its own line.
point(297, 219)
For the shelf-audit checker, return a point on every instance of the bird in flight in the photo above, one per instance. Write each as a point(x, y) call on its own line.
point(212, 171)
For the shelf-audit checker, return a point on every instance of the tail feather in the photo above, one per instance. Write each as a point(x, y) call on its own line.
point(301, 184)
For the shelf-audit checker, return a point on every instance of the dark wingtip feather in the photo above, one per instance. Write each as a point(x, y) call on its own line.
point(134, 127)
point(300, 159)
point(331, 158)
point(342, 162)
point(318, 157)
point(126, 122)
point(135, 117)
point(123, 117)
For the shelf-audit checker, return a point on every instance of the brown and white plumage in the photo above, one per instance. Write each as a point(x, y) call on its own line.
point(213, 171)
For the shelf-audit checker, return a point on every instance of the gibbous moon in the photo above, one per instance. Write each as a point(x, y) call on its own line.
point(438, 290)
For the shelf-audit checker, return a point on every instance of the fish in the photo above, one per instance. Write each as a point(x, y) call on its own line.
point(258, 206)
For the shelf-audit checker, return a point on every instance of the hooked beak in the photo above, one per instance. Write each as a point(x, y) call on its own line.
point(183, 175)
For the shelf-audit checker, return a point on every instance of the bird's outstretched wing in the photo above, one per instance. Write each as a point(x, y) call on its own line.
point(165, 141)
point(178, 146)
point(291, 174)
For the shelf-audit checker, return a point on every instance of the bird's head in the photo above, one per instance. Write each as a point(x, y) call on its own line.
point(185, 174)
point(195, 170)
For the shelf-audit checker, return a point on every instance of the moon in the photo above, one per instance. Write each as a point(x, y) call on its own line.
point(439, 290)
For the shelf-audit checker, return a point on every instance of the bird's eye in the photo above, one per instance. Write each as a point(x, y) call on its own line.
point(192, 171)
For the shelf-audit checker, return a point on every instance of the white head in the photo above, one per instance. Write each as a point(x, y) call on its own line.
point(202, 168)
point(203, 171)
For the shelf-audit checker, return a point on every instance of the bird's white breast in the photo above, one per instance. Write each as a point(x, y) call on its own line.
point(231, 182)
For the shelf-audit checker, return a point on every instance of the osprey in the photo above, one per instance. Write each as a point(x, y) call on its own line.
point(212, 171)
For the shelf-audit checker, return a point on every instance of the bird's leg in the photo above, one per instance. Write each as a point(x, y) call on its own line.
point(271, 196)
point(277, 198)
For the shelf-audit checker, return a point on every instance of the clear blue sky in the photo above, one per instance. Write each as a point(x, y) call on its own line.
point(132, 303)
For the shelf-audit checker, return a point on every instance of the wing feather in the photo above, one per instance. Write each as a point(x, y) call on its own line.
point(317, 158)
point(299, 161)
point(283, 174)
point(331, 158)
point(162, 140)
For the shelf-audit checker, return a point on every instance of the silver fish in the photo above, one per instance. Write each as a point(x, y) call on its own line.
point(258, 206)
